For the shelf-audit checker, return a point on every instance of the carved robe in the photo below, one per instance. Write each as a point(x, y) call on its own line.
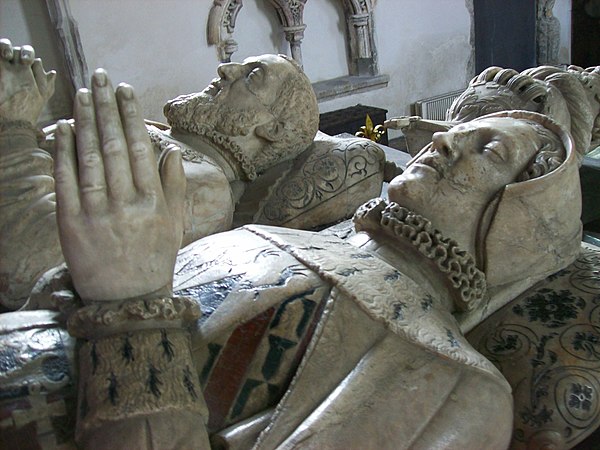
point(381, 349)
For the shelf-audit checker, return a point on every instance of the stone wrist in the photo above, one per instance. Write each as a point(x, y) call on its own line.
point(135, 362)
point(102, 319)
point(18, 133)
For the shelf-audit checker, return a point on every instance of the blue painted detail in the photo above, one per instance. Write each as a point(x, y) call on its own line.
point(166, 345)
point(127, 350)
point(113, 385)
point(277, 348)
point(188, 383)
point(243, 397)
point(56, 367)
point(347, 272)
point(451, 339)
point(153, 383)
point(393, 276)
point(213, 353)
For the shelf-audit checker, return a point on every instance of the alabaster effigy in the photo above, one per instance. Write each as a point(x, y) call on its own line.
point(27, 201)
point(571, 97)
point(251, 151)
point(267, 337)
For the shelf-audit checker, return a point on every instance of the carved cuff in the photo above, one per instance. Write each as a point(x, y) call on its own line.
point(134, 375)
point(19, 133)
point(104, 319)
point(135, 362)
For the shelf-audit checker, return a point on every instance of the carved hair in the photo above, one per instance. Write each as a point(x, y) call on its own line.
point(571, 86)
point(590, 79)
point(549, 156)
point(298, 111)
point(535, 86)
point(508, 81)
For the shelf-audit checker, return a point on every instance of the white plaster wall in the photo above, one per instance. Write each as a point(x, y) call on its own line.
point(423, 45)
point(159, 47)
point(324, 44)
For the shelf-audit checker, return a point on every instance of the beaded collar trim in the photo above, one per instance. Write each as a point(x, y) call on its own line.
point(232, 152)
point(457, 265)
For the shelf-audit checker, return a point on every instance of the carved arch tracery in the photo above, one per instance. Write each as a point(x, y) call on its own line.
point(220, 27)
point(362, 53)
point(359, 23)
point(290, 13)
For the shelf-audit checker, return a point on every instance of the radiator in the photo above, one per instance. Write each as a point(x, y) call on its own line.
point(434, 108)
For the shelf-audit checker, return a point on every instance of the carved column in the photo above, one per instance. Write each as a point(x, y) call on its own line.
point(136, 375)
point(359, 22)
point(548, 33)
point(290, 13)
point(221, 24)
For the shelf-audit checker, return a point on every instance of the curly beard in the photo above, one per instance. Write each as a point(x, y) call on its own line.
point(191, 111)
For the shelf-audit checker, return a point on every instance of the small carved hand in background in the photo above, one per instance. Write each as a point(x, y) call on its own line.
point(120, 219)
point(24, 85)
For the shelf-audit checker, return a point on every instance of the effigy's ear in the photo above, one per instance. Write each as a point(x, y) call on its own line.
point(272, 131)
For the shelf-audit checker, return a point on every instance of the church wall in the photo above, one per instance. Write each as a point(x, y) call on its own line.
point(562, 11)
point(161, 47)
point(423, 46)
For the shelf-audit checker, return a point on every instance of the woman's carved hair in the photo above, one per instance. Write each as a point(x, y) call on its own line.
point(549, 156)
point(571, 97)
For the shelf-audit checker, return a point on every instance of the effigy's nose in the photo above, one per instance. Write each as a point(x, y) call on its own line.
point(230, 71)
point(444, 144)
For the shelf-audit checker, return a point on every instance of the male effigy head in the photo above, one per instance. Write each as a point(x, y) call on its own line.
point(265, 100)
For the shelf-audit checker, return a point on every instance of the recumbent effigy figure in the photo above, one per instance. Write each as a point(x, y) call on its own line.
point(252, 154)
point(543, 341)
point(355, 343)
point(571, 97)
point(26, 180)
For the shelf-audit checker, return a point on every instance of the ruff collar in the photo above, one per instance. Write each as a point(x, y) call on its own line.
point(228, 149)
point(456, 265)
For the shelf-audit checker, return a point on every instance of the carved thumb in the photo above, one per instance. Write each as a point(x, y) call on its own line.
point(50, 84)
point(170, 166)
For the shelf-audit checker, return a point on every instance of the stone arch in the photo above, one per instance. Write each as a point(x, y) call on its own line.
point(221, 25)
point(290, 14)
point(362, 55)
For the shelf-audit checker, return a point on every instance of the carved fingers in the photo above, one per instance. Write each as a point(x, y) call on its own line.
point(65, 172)
point(111, 138)
point(6, 49)
point(24, 84)
point(45, 81)
point(115, 158)
point(120, 222)
point(173, 181)
point(92, 184)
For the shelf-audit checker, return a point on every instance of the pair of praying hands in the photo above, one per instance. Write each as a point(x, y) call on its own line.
point(119, 213)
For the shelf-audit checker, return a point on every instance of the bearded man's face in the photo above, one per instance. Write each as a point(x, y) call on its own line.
point(241, 98)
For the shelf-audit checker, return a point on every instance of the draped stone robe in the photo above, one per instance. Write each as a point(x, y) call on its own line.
point(364, 356)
